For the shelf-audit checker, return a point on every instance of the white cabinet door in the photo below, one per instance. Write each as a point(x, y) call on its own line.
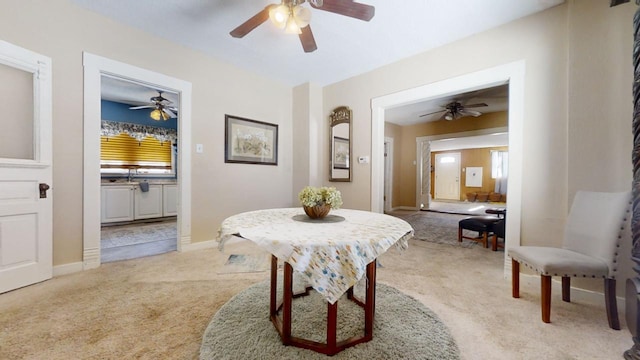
point(148, 204)
point(117, 203)
point(170, 200)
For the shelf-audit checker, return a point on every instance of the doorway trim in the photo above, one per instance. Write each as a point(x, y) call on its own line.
point(512, 73)
point(94, 67)
point(388, 175)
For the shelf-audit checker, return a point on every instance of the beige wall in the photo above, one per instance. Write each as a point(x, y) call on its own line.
point(62, 31)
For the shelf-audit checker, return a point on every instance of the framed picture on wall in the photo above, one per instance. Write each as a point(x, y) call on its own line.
point(250, 141)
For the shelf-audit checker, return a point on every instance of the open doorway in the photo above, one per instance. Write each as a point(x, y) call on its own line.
point(138, 163)
point(512, 74)
point(95, 67)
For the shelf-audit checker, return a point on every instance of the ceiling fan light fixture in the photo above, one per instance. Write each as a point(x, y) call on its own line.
point(158, 114)
point(292, 27)
point(279, 15)
point(448, 116)
point(302, 16)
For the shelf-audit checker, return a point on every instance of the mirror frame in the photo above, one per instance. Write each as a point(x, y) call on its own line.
point(340, 115)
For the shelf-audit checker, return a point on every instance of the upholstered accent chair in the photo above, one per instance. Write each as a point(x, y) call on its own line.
point(590, 249)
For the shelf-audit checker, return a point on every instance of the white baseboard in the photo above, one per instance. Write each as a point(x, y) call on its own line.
point(65, 269)
point(201, 245)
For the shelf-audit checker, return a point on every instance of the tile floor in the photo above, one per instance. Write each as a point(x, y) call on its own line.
point(129, 241)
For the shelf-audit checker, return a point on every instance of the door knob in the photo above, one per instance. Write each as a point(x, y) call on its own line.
point(43, 190)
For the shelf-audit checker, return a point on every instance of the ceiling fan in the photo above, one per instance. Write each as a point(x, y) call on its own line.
point(455, 110)
point(161, 107)
point(291, 16)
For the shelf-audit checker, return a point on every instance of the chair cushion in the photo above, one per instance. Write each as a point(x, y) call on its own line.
point(478, 223)
point(559, 262)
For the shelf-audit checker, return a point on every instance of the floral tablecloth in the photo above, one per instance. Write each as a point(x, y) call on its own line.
point(332, 256)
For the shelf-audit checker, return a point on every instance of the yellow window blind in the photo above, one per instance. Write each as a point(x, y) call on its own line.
point(124, 151)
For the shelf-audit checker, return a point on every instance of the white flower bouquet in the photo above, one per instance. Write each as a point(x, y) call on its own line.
point(312, 196)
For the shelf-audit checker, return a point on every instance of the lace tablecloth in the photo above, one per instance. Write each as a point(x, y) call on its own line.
point(332, 256)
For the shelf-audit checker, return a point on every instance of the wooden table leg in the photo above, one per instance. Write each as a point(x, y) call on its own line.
point(287, 295)
point(370, 302)
point(332, 346)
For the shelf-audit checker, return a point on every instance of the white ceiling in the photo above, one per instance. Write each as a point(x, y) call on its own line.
point(346, 46)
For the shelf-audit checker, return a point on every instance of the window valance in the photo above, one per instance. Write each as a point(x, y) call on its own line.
point(138, 132)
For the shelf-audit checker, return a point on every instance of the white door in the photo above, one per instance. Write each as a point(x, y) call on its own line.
point(25, 168)
point(447, 176)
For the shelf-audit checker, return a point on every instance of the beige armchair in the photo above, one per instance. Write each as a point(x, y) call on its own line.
point(590, 249)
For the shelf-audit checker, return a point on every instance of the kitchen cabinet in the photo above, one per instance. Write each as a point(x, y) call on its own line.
point(147, 204)
point(126, 202)
point(170, 200)
point(117, 203)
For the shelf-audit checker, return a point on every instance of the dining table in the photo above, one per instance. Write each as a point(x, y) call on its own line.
point(330, 255)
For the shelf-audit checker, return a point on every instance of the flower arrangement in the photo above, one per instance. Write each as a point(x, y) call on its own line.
point(318, 196)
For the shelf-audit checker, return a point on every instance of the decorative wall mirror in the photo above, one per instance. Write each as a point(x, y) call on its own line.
point(340, 146)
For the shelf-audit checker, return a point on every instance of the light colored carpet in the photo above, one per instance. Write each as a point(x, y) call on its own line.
point(159, 307)
point(403, 328)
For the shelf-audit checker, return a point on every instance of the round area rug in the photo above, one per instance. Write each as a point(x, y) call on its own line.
point(403, 328)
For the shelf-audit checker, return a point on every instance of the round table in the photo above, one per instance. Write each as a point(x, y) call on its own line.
point(332, 255)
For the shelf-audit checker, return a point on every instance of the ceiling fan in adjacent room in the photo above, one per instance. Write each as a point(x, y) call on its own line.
point(455, 110)
point(161, 108)
point(294, 18)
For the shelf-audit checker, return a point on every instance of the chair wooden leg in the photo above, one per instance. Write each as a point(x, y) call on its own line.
point(485, 239)
point(459, 234)
point(515, 278)
point(566, 289)
point(494, 243)
point(545, 297)
point(610, 303)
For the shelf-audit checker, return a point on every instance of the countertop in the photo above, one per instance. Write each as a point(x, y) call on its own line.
point(135, 183)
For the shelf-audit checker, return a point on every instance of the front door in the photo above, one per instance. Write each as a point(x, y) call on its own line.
point(447, 176)
point(25, 168)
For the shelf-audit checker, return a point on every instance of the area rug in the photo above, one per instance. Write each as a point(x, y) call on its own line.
point(439, 228)
point(403, 329)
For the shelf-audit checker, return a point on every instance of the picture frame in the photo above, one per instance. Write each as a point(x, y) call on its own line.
point(250, 141)
point(340, 153)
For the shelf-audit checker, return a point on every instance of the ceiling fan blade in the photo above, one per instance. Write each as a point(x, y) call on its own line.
point(435, 112)
point(169, 112)
point(465, 112)
point(252, 23)
point(141, 107)
point(347, 8)
point(475, 105)
point(307, 39)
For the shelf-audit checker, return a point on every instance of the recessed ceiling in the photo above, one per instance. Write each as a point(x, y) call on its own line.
point(346, 46)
